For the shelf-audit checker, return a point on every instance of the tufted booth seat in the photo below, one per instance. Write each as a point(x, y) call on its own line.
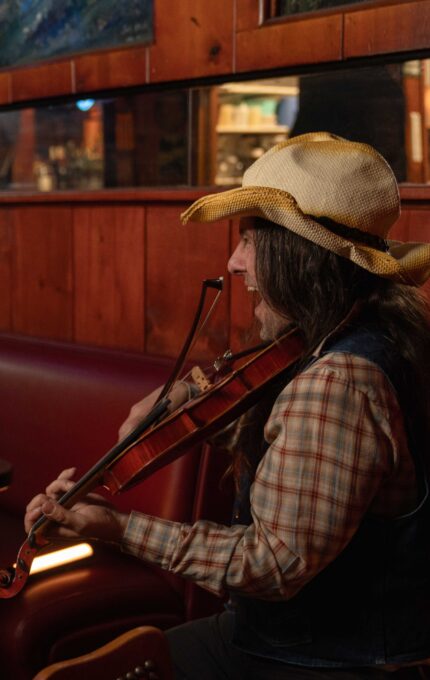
point(61, 406)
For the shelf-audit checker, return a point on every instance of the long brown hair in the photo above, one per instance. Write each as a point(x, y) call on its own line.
point(316, 289)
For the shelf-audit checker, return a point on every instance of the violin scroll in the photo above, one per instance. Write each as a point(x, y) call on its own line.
point(13, 579)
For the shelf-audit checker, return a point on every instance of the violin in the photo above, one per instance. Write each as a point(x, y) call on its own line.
point(162, 437)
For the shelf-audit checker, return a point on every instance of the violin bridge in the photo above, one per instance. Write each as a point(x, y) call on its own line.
point(200, 379)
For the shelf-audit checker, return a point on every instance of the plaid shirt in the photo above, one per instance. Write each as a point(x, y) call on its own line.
point(337, 451)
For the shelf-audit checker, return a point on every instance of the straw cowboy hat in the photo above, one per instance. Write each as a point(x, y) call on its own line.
point(339, 194)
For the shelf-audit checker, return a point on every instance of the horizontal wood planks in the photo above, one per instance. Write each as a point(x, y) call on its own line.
point(314, 40)
point(46, 80)
point(391, 28)
point(109, 70)
point(199, 39)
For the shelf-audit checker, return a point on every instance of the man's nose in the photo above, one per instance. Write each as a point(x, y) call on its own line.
point(236, 263)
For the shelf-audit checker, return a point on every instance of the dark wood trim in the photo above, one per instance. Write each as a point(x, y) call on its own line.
point(408, 192)
point(304, 39)
point(42, 81)
point(114, 69)
point(415, 194)
point(109, 196)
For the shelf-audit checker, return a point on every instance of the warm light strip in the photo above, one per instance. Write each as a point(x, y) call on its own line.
point(260, 88)
point(59, 557)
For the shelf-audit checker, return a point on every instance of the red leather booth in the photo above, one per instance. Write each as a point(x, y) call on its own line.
point(61, 406)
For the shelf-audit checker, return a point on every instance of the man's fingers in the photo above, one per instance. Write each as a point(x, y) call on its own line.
point(58, 513)
point(55, 490)
point(36, 502)
point(137, 412)
point(54, 511)
point(127, 427)
point(70, 523)
point(68, 473)
point(58, 487)
point(31, 516)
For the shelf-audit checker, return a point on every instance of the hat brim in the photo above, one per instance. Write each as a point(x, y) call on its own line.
point(407, 263)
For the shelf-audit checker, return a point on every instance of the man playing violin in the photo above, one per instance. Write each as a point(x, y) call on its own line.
point(326, 563)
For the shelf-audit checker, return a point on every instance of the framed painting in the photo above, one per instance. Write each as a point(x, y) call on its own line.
point(36, 30)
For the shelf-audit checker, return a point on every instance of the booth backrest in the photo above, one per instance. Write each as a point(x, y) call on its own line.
point(61, 406)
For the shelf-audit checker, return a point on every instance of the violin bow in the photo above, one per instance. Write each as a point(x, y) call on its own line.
point(194, 332)
point(13, 579)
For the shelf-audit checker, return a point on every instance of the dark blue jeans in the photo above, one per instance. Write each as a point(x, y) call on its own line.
point(201, 650)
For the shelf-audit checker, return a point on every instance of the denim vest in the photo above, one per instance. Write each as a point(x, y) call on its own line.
point(371, 605)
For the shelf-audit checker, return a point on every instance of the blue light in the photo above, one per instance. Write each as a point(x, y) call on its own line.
point(85, 104)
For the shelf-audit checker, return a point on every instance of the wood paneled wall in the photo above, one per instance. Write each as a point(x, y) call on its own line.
point(414, 225)
point(200, 39)
point(122, 274)
point(126, 274)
